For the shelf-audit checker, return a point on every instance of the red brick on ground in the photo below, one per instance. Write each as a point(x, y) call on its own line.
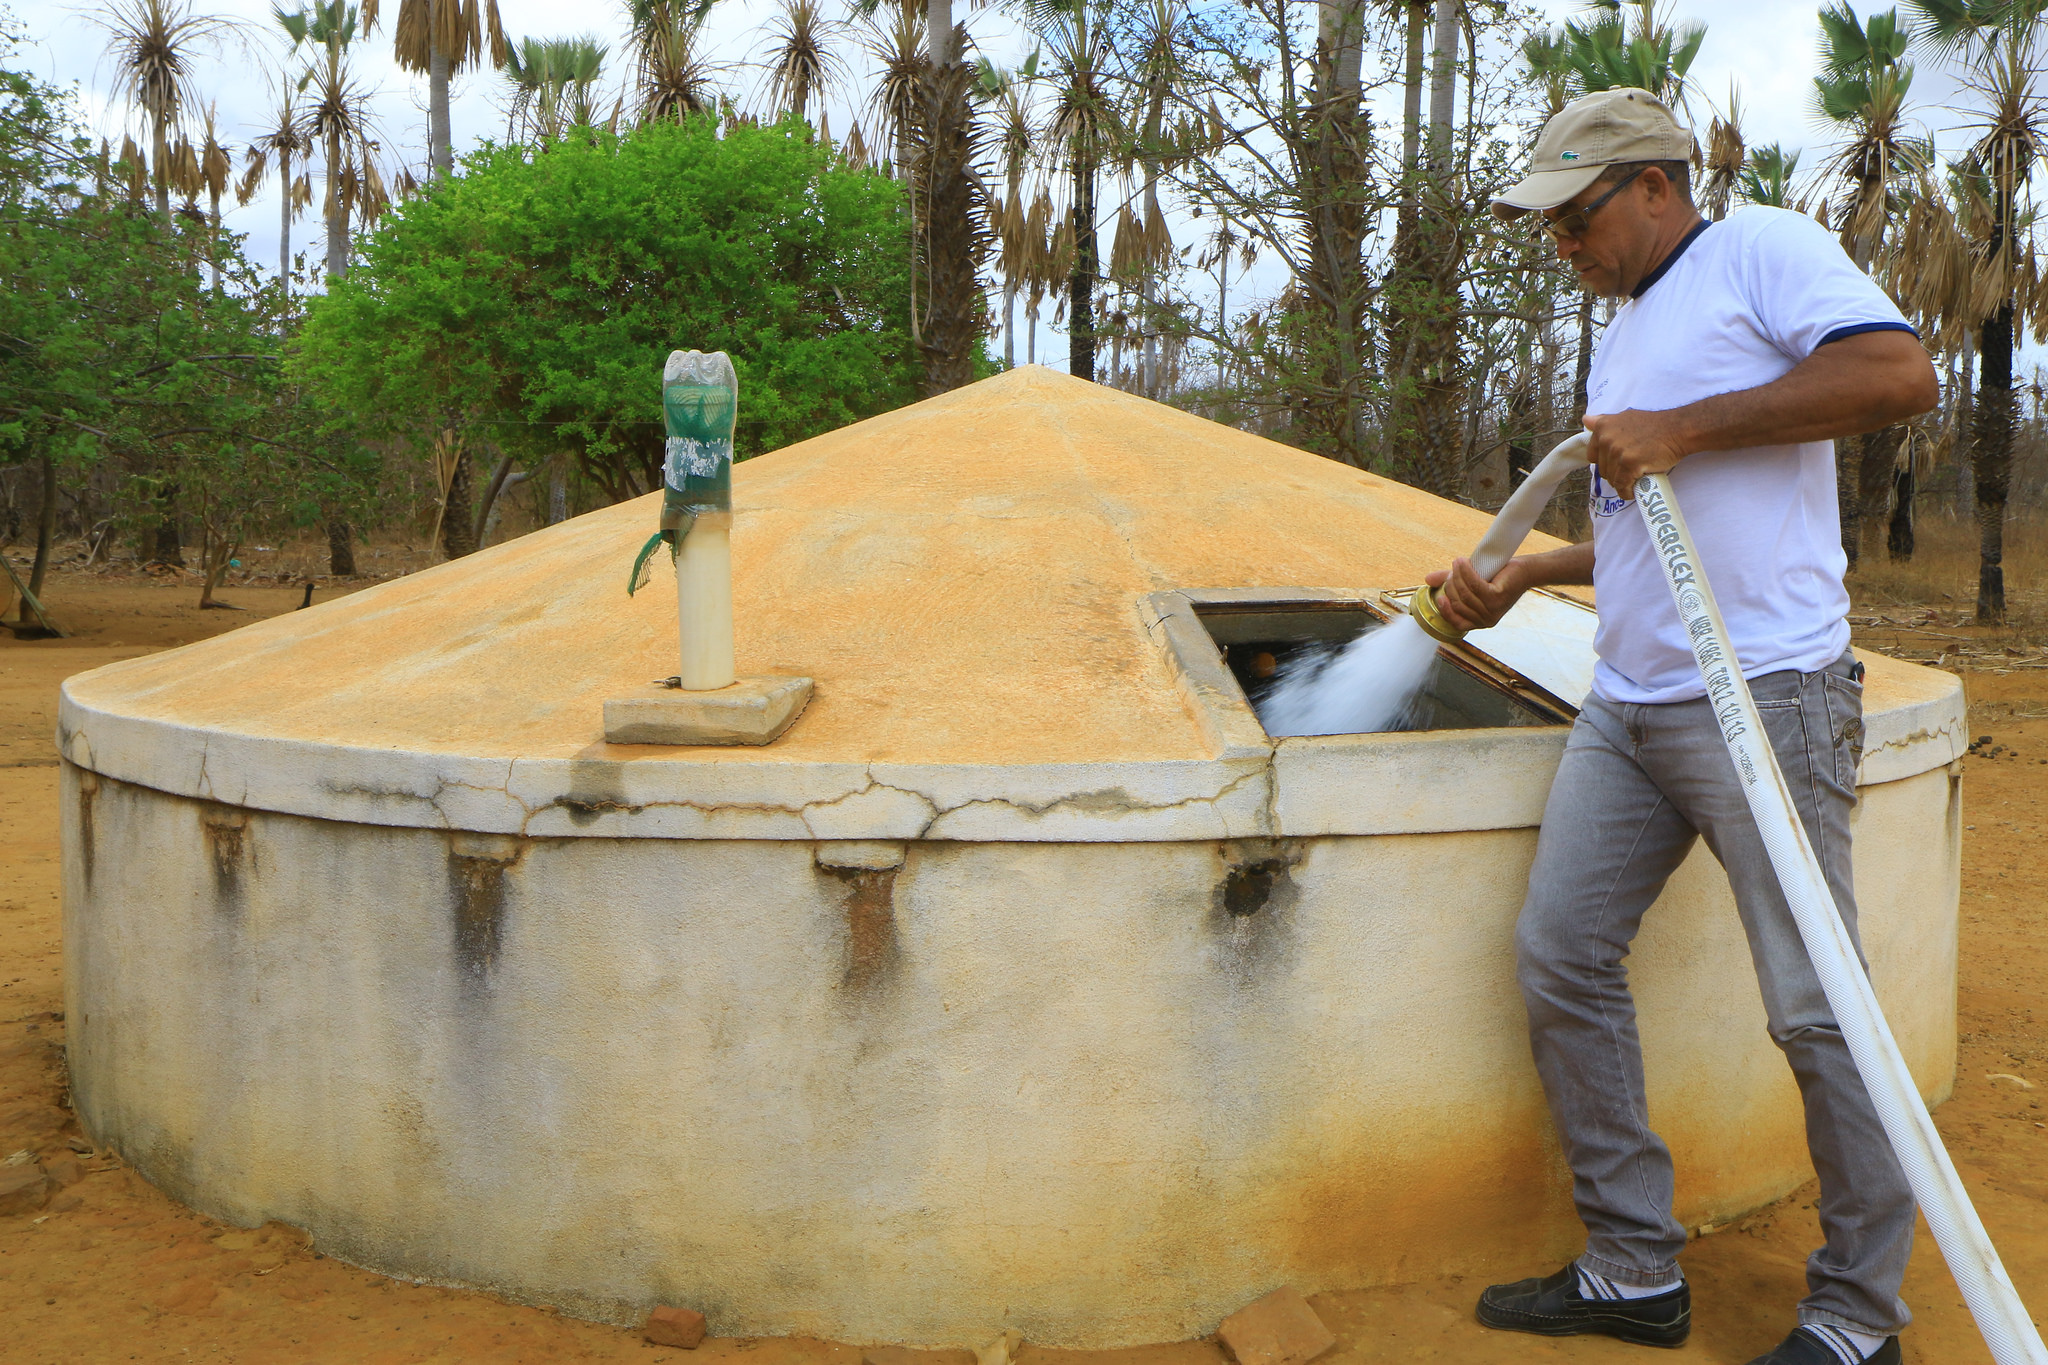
point(682, 1327)
point(1280, 1329)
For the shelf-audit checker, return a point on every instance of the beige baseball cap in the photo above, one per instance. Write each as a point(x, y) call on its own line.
point(1587, 136)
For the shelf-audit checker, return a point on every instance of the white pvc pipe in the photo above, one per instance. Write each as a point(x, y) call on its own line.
point(704, 604)
point(1517, 516)
point(1986, 1288)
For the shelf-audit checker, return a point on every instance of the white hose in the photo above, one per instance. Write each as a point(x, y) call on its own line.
point(1517, 516)
point(1993, 1301)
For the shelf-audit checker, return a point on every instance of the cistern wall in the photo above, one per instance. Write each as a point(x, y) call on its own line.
point(1102, 1092)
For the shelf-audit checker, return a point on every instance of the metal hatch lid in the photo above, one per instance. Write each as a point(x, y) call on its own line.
point(1546, 637)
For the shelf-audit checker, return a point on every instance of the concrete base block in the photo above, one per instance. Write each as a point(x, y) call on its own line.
point(751, 711)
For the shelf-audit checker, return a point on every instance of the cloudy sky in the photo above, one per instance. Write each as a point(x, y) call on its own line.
point(1764, 47)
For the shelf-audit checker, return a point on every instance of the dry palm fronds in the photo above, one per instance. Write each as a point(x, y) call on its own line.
point(1725, 159)
point(855, 149)
point(183, 172)
point(898, 49)
point(215, 167)
point(801, 63)
point(1142, 244)
point(1059, 254)
point(1036, 250)
point(135, 168)
point(460, 32)
point(153, 45)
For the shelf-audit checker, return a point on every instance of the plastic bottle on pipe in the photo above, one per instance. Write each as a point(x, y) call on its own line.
point(699, 403)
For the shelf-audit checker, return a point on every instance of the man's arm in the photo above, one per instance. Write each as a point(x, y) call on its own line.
point(1469, 602)
point(1845, 388)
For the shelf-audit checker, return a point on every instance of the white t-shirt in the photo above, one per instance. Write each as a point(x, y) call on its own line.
point(1738, 304)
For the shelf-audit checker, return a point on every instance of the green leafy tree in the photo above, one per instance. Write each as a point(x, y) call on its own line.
point(525, 306)
point(122, 369)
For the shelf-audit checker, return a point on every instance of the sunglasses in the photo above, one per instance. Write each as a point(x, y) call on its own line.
point(1573, 224)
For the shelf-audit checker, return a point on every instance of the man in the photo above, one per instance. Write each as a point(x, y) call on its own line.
point(1740, 351)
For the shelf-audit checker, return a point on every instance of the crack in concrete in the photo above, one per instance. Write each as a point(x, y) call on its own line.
point(1920, 736)
point(1103, 800)
point(1100, 800)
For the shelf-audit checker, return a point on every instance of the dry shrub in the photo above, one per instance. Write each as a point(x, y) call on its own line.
point(1943, 571)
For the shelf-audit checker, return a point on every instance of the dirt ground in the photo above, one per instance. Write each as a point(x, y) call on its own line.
point(111, 1270)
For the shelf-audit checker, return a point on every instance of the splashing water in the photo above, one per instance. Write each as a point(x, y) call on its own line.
point(1364, 688)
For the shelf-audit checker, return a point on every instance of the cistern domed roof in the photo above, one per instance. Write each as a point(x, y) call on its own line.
point(962, 578)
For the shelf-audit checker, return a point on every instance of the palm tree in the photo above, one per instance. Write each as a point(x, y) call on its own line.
point(441, 38)
point(1937, 262)
point(949, 220)
point(1084, 126)
point(1633, 43)
point(672, 78)
point(1015, 145)
point(1861, 90)
point(1156, 75)
point(214, 166)
point(1724, 162)
point(897, 48)
point(1766, 177)
point(339, 119)
point(801, 63)
point(1216, 254)
point(553, 83)
point(1048, 263)
point(153, 45)
point(1997, 41)
point(285, 140)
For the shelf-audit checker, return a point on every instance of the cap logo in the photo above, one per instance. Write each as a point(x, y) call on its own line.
point(1567, 156)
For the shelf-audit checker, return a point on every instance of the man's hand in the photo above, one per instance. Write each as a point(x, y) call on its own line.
point(1469, 602)
point(1628, 445)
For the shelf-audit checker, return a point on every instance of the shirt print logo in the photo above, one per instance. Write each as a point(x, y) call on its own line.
point(1602, 501)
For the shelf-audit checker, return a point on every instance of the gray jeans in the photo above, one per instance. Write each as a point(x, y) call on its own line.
point(1636, 785)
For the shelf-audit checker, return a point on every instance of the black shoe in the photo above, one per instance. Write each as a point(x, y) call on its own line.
point(1553, 1307)
point(1803, 1348)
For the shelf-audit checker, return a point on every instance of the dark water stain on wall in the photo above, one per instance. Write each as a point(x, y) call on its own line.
point(226, 829)
point(870, 911)
point(595, 787)
point(88, 790)
point(1251, 905)
point(477, 869)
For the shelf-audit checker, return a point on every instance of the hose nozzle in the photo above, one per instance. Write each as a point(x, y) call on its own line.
point(1423, 607)
point(1516, 518)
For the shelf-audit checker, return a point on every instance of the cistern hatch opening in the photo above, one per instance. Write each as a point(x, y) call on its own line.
point(1465, 690)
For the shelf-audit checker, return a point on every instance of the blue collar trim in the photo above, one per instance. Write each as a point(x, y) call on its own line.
point(1669, 261)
